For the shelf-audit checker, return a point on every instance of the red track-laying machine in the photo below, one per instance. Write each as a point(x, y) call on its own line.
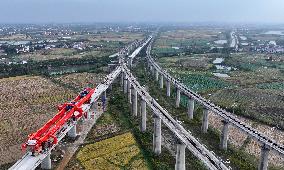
point(46, 136)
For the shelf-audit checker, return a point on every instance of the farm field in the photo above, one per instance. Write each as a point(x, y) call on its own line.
point(61, 53)
point(119, 152)
point(124, 37)
point(96, 45)
point(195, 72)
point(187, 41)
point(253, 88)
point(80, 80)
point(254, 62)
point(263, 105)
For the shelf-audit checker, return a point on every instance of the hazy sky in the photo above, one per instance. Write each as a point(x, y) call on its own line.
point(268, 11)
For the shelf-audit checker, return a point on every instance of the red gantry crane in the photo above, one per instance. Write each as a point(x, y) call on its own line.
point(46, 136)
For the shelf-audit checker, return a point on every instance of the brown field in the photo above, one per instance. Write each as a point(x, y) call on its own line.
point(197, 61)
point(81, 80)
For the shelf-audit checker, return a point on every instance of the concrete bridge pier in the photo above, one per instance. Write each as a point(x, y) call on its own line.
point(149, 64)
point(94, 107)
point(263, 162)
point(143, 115)
point(161, 81)
point(72, 133)
point(105, 94)
point(168, 88)
point(130, 62)
point(180, 156)
point(190, 107)
point(151, 68)
point(121, 80)
point(134, 103)
point(46, 162)
point(110, 87)
point(125, 84)
point(204, 126)
point(178, 98)
point(224, 135)
point(157, 75)
point(157, 136)
point(129, 90)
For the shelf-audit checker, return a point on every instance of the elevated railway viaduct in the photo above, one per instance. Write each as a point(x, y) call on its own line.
point(184, 139)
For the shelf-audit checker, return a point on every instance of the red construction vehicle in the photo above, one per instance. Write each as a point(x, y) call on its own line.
point(46, 136)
